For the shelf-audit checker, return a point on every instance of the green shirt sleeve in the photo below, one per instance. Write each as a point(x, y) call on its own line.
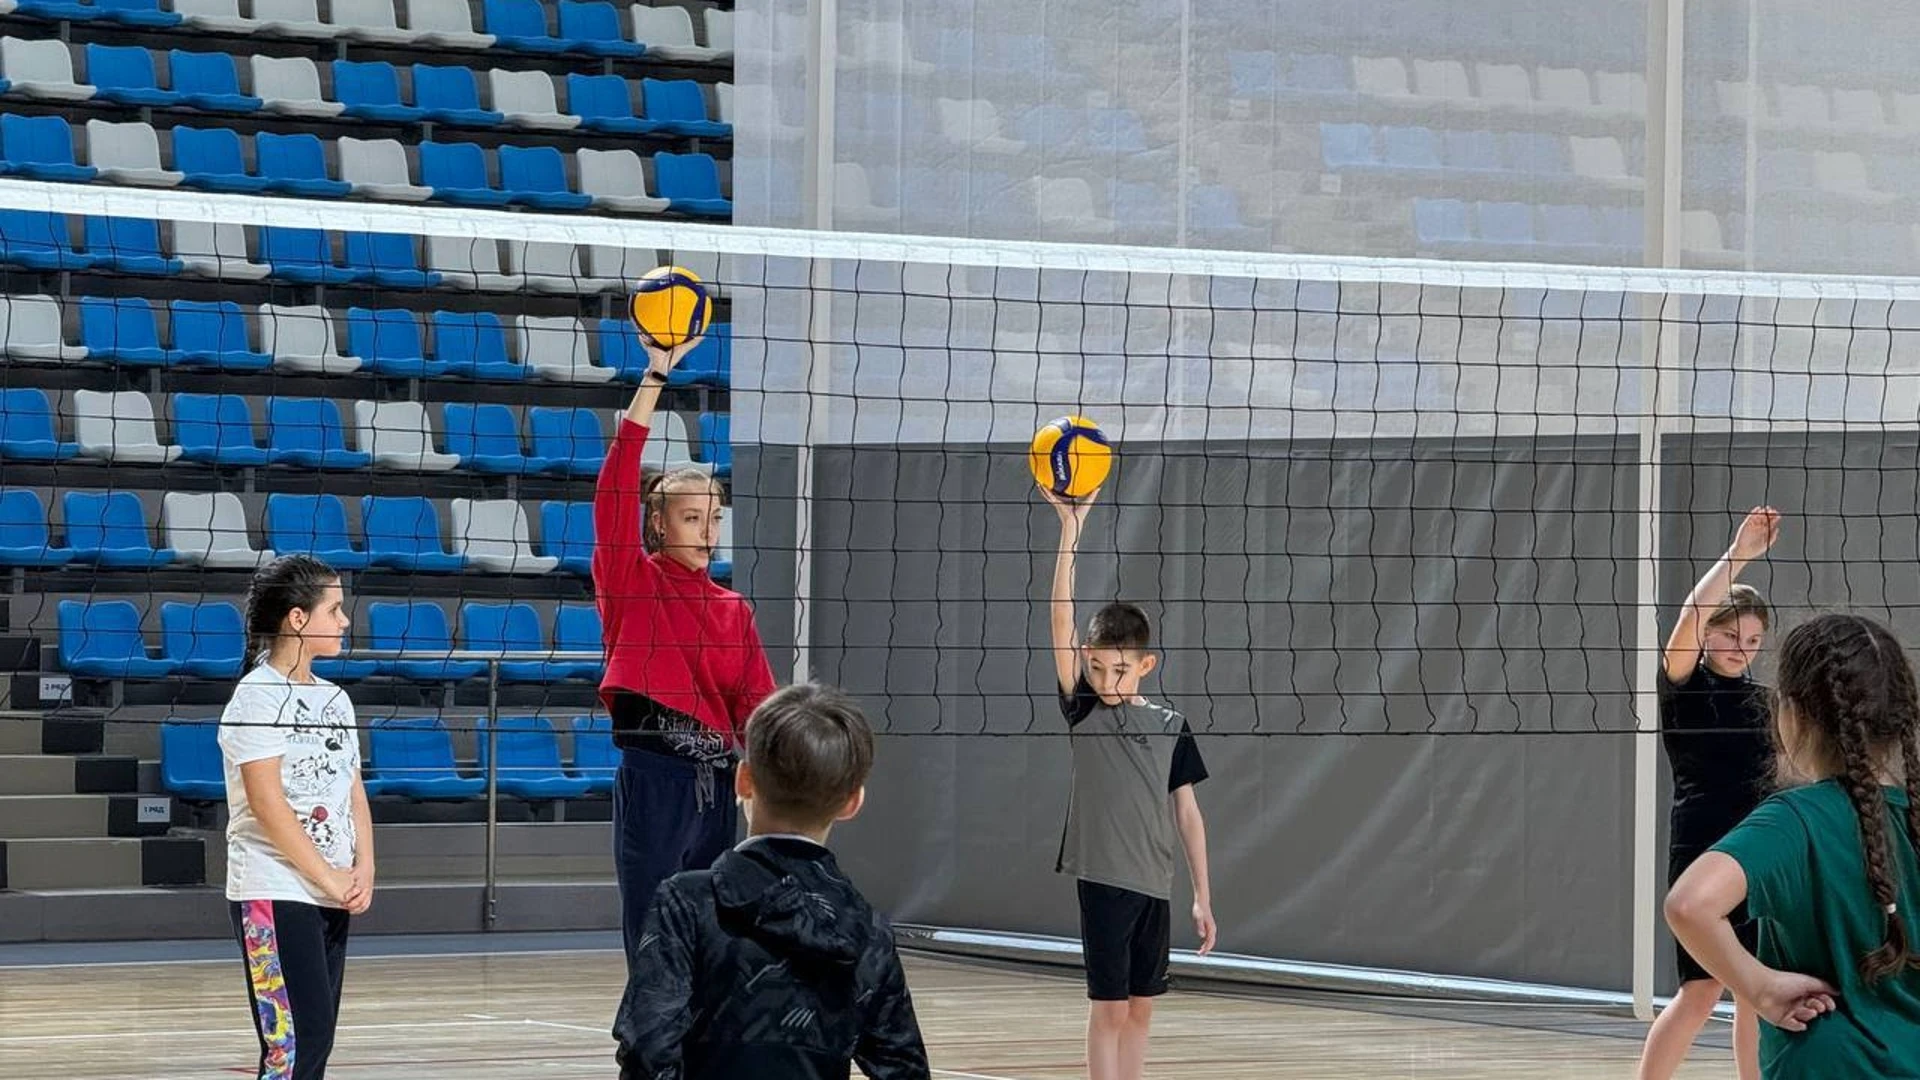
point(1772, 848)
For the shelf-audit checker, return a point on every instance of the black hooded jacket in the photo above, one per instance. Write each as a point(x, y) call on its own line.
point(770, 966)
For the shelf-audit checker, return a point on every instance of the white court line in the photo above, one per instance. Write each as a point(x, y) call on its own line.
point(606, 1031)
point(969, 1076)
point(170, 1034)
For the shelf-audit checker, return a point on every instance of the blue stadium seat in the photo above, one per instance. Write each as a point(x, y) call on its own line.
point(307, 432)
point(297, 165)
point(413, 756)
point(487, 439)
point(536, 176)
point(710, 362)
point(125, 74)
point(1441, 221)
point(305, 256)
point(39, 241)
point(1505, 222)
point(1345, 146)
point(403, 533)
point(473, 345)
point(40, 148)
point(207, 639)
point(388, 259)
point(1320, 73)
point(345, 668)
point(190, 763)
point(571, 438)
point(595, 758)
point(716, 442)
point(57, 10)
point(691, 184)
point(1473, 151)
point(27, 430)
point(1537, 152)
point(145, 13)
point(1621, 227)
point(516, 628)
point(370, 90)
point(102, 640)
point(109, 528)
point(521, 25)
point(620, 349)
point(605, 103)
point(457, 173)
point(1253, 74)
point(417, 626)
point(130, 245)
point(26, 539)
point(566, 533)
point(217, 429)
point(208, 81)
point(1410, 148)
point(313, 525)
point(594, 28)
point(214, 333)
point(529, 765)
point(576, 628)
point(678, 106)
point(123, 329)
point(1568, 225)
point(388, 341)
point(451, 95)
point(211, 159)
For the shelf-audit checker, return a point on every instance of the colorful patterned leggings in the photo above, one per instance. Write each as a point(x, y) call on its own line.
point(296, 956)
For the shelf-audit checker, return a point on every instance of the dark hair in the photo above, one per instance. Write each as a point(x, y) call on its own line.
point(656, 490)
point(1741, 600)
point(1119, 626)
point(286, 583)
point(810, 750)
point(1848, 685)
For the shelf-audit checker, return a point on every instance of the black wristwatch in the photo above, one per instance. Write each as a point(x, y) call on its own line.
point(654, 377)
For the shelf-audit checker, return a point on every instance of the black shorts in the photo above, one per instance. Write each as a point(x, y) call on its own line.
point(1679, 858)
point(1124, 937)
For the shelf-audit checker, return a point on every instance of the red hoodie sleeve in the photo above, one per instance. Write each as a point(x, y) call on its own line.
point(756, 675)
point(618, 553)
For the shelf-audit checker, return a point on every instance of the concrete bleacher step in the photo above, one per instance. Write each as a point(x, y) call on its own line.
point(60, 774)
point(102, 862)
point(40, 817)
point(541, 851)
point(36, 733)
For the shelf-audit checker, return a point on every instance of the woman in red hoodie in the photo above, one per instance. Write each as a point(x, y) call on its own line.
point(684, 662)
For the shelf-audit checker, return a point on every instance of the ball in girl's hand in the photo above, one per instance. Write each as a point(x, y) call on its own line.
point(1070, 457)
point(670, 306)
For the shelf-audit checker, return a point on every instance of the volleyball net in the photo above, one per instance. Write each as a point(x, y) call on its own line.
point(1357, 497)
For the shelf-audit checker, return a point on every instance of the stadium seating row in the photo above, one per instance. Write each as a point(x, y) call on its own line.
point(461, 173)
point(109, 529)
point(132, 332)
point(226, 251)
point(588, 27)
point(308, 433)
point(102, 639)
point(413, 757)
point(363, 90)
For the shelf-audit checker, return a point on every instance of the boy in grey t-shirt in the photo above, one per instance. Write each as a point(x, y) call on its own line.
point(1134, 767)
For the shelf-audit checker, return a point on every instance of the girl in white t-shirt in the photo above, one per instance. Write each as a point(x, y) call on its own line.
point(299, 832)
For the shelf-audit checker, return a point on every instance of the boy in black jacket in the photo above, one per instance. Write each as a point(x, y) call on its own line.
point(772, 965)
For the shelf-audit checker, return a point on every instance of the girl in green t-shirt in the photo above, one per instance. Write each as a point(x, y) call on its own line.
point(1829, 868)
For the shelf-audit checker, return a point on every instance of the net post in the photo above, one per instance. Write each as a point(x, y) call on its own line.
point(490, 913)
point(1666, 51)
point(823, 28)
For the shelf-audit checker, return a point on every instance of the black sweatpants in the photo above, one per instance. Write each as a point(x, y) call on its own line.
point(296, 957)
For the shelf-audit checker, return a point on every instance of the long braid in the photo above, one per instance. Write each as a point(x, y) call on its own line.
point(1858, 780)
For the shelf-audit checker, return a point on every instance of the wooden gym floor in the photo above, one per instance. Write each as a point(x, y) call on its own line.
point(539, 1014)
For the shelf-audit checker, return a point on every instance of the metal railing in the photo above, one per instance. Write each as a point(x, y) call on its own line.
point(493, 658)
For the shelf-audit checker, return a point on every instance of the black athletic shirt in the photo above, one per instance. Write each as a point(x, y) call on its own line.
point(1718, 778)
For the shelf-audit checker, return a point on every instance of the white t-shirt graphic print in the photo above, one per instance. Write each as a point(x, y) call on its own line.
point(310, 727)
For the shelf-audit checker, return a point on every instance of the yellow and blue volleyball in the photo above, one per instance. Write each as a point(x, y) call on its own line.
point(670, 306)
point(1070, 456)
